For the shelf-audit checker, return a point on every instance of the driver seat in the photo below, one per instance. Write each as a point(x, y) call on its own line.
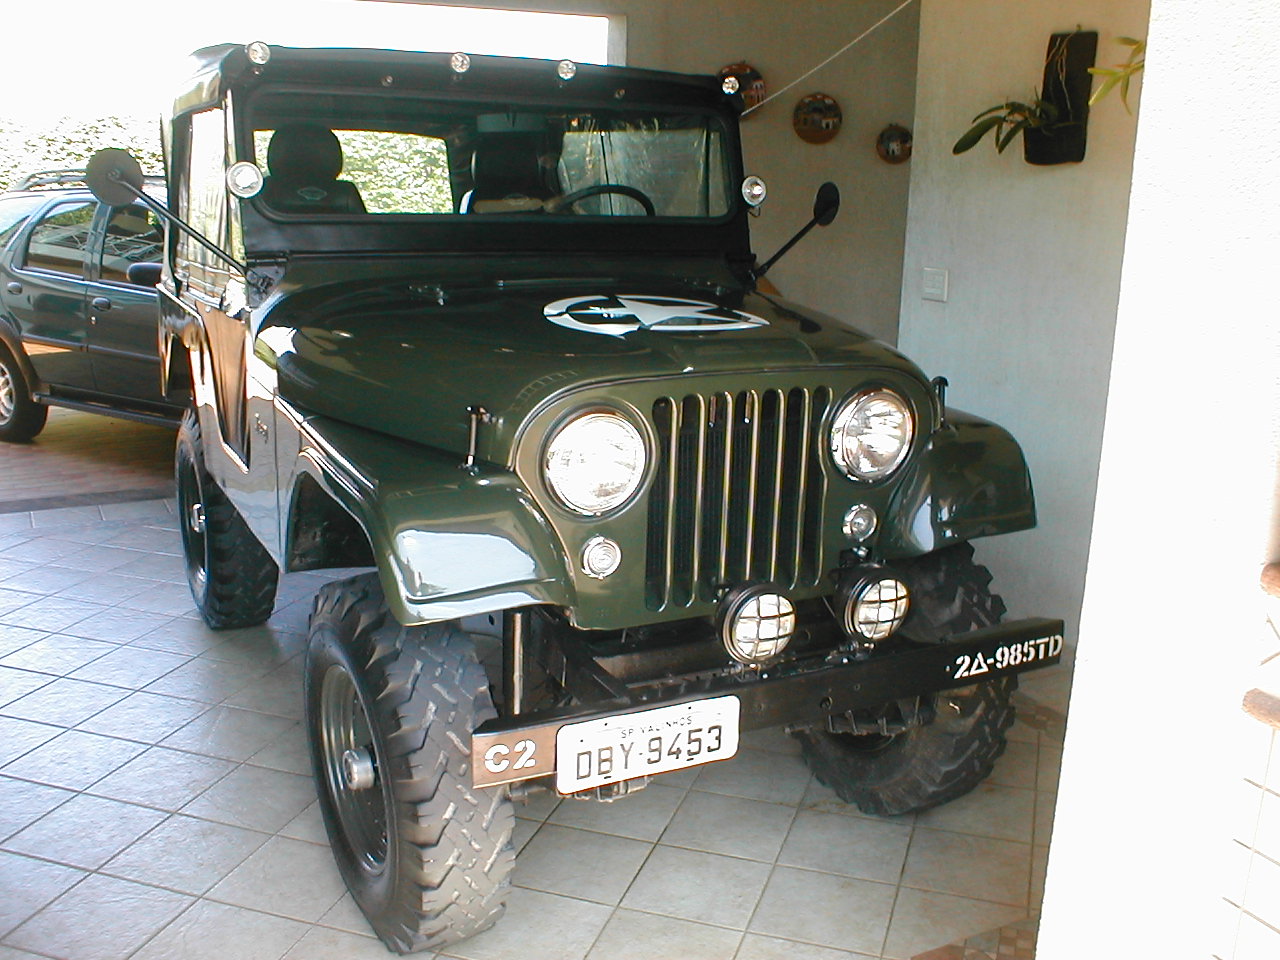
point(304, 160)
point(510, 173)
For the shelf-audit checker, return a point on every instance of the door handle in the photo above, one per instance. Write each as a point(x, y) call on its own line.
point(13, 286)
point(101, 303)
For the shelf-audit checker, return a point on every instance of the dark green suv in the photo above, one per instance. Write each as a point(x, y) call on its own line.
point(493, 329)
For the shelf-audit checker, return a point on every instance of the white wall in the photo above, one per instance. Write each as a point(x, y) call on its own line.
point(1033, 255)
point(852, 269)
point(1185, 512)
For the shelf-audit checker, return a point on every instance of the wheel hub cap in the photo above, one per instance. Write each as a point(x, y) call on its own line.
point(358, 772)
point(195, 520)
point(6, 394)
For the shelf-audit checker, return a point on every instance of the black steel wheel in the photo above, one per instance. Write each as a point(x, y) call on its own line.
point(964, 732)
point(232, 577)
point(21, 418)
point(390, 711)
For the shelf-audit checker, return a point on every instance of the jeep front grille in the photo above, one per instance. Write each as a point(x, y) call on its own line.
point(738, 493)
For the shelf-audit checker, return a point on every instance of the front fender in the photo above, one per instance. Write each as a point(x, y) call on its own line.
point(448, 542)
point(971, 481)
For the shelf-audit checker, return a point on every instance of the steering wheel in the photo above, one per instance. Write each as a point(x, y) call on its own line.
point(557, 204)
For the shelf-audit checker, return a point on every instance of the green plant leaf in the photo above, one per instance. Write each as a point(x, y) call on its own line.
point(1105, 87)
point(1010, 134)
point(998, 108)
point(1129, 41)
point(975, 133)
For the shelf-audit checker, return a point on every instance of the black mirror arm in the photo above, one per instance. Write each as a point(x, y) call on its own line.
point(763, 269)
point(116, 177)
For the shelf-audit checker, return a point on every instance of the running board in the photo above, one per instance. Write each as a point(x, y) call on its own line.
point(155, 419)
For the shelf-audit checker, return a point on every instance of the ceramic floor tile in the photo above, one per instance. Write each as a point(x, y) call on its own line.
point(254, 797)
point(101, 918)
point(285, 877)
point(735, 826)
point(278, 692)
point(263, 647)
point(923, 921)
point(185, 854)
point(218, 931)
point(579, 863)
point(773, 739)
point(345, 915)
point(13, 639)
point(977, 867)
point(57, 654)
point(28, 885)
point(567, 929)
point(1017, 765)
point(228, 732)
point(288, 751)
point(178, 635)
point(851, 846)
point(1039, 870)
point(54, 614)
point(15, 684)
point(523, 832)
point(108, 588)
point(831, 911)
point(308, 826)
point(640, 816)
point(538, 805)
point(990, 810)
point(756, 947)
point(756, 775)
point(74, 759)
point(1046, 804)
point(130, 667)
point(163, 778)
point(641, 936)
point(323, 944)
point(21, 736)
point(23, 802)
point(210, 681)
point(13, 600)
point(704, 887)
point(48, 579)
point(64, 702)
point(146, 717)
point(85, 831)
point(1050, 767)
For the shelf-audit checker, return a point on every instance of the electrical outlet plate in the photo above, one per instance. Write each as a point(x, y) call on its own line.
point(933, 285)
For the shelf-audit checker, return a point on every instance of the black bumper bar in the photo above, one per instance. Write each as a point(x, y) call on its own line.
point(523, 747)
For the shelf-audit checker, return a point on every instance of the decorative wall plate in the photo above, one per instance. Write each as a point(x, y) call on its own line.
point(817, 118)
point(750, 82)
point(893, 145)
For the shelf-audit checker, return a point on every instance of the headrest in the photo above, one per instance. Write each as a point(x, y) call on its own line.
point(512, 164)
point(304, 151)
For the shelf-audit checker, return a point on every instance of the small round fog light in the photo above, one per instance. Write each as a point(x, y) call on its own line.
point(872, 605)
point(859, 523)
point(756, 623)
point(754, 191)
point(730, 84)
point(601, 557)
point(566, 69)
point(459, 63)
point(244, 179)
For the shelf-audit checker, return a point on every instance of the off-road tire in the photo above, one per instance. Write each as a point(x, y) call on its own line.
point(924, 766)
point(426, 855)
point(21, 418)
point(232, 577)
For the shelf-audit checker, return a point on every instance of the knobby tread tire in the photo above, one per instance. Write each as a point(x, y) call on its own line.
point(238, 588)
point(927, 765)
point(28, 418)
point(449, 857)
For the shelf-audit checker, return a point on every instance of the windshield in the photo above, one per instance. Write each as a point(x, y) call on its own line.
point(352, 155)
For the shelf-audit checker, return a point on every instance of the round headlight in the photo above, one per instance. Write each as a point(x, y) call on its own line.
point(871, 434)
point(595, 462)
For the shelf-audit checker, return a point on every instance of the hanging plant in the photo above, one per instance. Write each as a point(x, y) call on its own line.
point(1122, 73)
point(1006, 120)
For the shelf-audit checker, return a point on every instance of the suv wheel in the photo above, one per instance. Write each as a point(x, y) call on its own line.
point(929, 764)
point(232, 577)
point(21, 418)
point(390, 711)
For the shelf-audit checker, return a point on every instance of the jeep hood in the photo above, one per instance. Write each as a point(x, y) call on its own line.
point(407, 357)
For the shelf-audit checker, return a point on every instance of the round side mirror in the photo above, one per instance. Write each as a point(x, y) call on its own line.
point(827, 204)
point(114, 177)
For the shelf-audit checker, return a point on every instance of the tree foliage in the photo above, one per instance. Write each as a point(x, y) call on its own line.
point(29, 146)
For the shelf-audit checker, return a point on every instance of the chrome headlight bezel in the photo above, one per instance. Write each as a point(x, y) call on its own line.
point(567, 448)
point(849, 426)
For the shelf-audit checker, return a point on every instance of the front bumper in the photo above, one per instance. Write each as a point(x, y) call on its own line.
point(798, 693)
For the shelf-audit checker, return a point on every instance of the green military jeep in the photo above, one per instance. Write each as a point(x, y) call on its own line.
point(492, 328)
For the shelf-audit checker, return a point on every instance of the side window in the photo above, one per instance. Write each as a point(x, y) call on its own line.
point(134, 235)
point(205, 202)
point(58, 242)
point(13, 214)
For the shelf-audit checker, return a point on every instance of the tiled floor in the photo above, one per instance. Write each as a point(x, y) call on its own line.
point(155, 802)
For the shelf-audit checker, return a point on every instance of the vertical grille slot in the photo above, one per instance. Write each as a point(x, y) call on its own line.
point(738, 493)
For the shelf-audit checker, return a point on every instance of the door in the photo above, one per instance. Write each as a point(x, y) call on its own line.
point(46, 294)
point(123, 316)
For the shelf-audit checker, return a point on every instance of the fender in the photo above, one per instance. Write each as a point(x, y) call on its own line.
point(970, 481)
point(447, 542)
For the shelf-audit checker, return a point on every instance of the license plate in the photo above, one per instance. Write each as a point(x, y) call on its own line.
point(611, 749)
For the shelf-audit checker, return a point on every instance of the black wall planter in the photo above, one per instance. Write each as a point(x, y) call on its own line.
point(1067, 82)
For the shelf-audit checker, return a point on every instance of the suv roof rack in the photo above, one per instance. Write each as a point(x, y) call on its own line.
point(63, 178)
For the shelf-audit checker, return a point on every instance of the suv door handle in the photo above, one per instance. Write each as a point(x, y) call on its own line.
point(101, 303)
point(13, 286)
